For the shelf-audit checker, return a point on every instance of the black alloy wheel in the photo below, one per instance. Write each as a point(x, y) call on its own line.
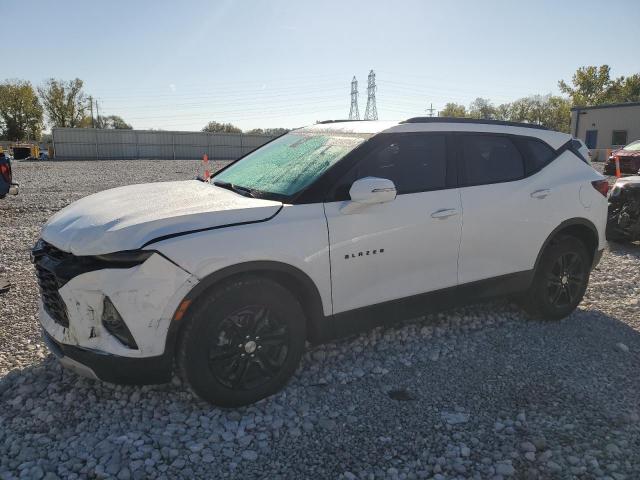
point(241, 341)
point(566, 279)
point(560, 280)
point(249, 349)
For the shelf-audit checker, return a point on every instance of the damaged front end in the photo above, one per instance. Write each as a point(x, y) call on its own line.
point(623, 219)
point(107, 316)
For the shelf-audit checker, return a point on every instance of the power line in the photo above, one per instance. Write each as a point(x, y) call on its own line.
point(354, 113)
point(371, 113)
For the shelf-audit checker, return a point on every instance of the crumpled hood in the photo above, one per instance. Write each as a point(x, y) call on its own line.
point(126, 218)
point(625, 153)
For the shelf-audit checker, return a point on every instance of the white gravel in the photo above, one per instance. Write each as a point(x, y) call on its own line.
point(478, 392)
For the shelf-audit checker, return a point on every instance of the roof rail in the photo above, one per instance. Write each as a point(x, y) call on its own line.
point(471, 120)
point(337, 121)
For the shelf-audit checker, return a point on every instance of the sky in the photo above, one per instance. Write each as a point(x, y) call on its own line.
point(176, 65)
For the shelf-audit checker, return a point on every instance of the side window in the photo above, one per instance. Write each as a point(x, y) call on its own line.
point(414, 162)
point(537, 154)
point(490, 159)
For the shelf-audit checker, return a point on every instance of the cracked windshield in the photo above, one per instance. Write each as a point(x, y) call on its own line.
point(290, 163)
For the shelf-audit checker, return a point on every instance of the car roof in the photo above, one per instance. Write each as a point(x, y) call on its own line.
point(438, 124)
point(350, 126)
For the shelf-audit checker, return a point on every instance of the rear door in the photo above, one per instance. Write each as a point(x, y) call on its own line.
point(406, 246)
point(506, 199)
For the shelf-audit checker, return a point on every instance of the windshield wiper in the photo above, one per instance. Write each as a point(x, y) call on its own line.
point(250, 192)
point(247, 192)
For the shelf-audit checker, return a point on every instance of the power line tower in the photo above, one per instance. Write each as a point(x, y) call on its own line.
point(371, 112)
point(354, 113)
point(93, 123)
point(431, 110)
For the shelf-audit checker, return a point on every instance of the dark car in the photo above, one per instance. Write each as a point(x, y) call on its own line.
point(623, 220)
point(6, 179)
point(629, 158)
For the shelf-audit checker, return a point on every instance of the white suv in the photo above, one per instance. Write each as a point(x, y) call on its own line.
point(314, 235)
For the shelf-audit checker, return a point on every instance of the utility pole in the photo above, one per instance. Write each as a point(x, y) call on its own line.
point(93, 124)
point(97, 113)
point(371, 113)
point(354, 113)
point(430, 110)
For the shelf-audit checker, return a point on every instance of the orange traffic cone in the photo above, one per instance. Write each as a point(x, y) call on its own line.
point(618, 174)
point(205, 164)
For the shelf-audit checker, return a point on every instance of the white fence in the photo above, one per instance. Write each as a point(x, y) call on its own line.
point(102, 144)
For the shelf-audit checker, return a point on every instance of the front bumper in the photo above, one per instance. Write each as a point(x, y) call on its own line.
point(111, 368)
point(145, 296)
point(627, 167)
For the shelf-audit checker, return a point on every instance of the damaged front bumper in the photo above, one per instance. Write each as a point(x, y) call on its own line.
point(111, 368)
point(78, 301)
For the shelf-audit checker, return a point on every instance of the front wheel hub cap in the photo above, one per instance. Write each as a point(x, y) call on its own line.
point(250, 346)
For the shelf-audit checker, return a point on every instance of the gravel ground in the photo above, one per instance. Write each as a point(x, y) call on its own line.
point(477, 392)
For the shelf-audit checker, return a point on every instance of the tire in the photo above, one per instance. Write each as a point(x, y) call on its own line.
point(242, 342)
point(560, 280)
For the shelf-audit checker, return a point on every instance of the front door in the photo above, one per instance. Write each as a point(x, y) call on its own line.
point(591, 139)
point(404, 247)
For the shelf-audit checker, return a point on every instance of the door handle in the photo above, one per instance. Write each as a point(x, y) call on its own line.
point(444, 213)
point(540, 194)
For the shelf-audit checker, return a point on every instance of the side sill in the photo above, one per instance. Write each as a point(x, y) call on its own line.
point(388, 313)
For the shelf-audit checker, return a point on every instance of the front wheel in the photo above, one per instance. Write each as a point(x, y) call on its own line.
point(242, 342)
point(560, 280)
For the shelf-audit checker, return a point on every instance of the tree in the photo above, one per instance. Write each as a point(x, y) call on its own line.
point(503, 112)
point(453, 110)
point(482, 108)
point(65, 102)
point(593, 86)
point(547, 110)
point(20, 111)
point(215, 127)
point(625, 89)
point(556, 114)
point(112, 122)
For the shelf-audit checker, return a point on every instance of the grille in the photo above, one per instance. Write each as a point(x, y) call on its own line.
point(50, 251)
point(46, 255)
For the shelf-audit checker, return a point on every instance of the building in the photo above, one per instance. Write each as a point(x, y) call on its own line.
point(606, 127)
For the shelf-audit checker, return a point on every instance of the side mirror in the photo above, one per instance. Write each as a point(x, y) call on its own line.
point(369, 191)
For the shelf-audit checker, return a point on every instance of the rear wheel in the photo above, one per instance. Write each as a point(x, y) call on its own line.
point(560, 280)
point(242, 343)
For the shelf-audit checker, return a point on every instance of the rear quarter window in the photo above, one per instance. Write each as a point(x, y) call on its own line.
point(488, 158)
point(536, 153)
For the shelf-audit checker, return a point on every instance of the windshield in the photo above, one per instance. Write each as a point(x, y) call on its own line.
point(633, 146)
point(290, 163)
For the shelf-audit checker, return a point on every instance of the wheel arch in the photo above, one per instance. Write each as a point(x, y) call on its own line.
point(580, 228)
point(292, 278)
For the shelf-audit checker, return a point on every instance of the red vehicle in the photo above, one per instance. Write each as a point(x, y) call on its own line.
point(629, 156)
point(6, 183)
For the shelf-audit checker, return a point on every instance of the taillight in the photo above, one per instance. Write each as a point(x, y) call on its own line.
point(5, 171)
point(602, 186)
